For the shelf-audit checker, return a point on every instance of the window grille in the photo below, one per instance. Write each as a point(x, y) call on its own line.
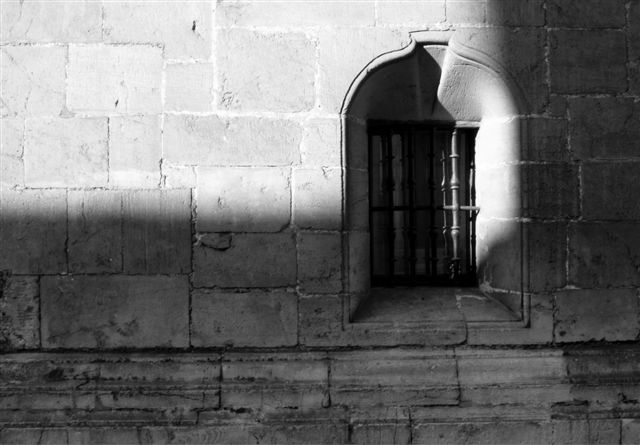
point(422, 205)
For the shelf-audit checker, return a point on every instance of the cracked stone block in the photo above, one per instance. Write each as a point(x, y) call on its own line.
point(596, 314)
point(135, 149)
point(252, 260)
point(269, 61)
point(33, 80)
point(320, 262)
point(19, 306)
point(11, 151)
point(33, 231)
point(605, 186)
point(114, 311)
point(223, 319)
point(182, 27)
point(95, 231)
point(317, 202)
point(243, 199)
point(156, 230)
point(189, 87)
point(105, 78)
point(586, 14)
point(42, 21)
point(69, 152)
point(212, 140)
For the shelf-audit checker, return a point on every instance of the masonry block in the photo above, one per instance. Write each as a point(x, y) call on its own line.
point(320, 262)
point(43, 436)
point(320, 144)
point(114, 78)
point(106, 312)
point(381, 433)
point(19, 307)
point(408, 13)
point(630, 431)
point(188, 87)
point(596, 314)
point(33, 80)
point(509, 13)
point(357, 199)
point(43, 22)
point(157, 231)
point(604, 254)
point(357, 145)
point(243, 199)
point(499, 254)
point(320, 320)
point(33, 231)
point(135, 147)
point(546, 140)
point(603, 184)
point(588, 61)
point(250, 260)
point(256, 318)
point(551, 190)
point(182, 27)
point(11, 151)
point(179, 176)
point(317, 198)
point(462, 11)
point(212, 140)
point(505, 181)
point(586, 14)
point(514, 432)
point(268, 62)
point(547, 255)
point(604, 127)
point(95, 231)
point(66, 152)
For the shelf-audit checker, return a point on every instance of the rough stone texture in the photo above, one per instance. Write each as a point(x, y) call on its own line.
point(33, 80)
point(604, 127)
point(586, 14)
point(243, 199)
point(135, 149)
point(410, 13)
point(42, 22)
point(270, 61)
point(95, 231)
point(633, 40)
point(33, 231)
point(606, 314)
point(156, 231)
point(113, 78)
point(114, 311)
point(547, 140)
point(604, 254)
point(320, 320)
point(523, 432)
point(19, 305)
point(212, 140)
point(178, 176)
point(588, 61)
point(183, 27)
point(630, 431)
point(252, 260)
point(188, 87)
point(603, 187)
point(551, 190)
point(547, 255)
point(463, 11)
point(317, 198)
point(11, 150)
point(499, 255)
point(320, 262)
point(522, 13)
point(81, 152)
point(256, 318)
point(320, 144)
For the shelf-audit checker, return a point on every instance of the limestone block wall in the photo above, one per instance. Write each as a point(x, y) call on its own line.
point(174, 174)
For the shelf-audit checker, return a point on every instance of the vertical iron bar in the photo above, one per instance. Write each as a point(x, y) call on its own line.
point(433, 233)
point(454, 186)
point(408, 143)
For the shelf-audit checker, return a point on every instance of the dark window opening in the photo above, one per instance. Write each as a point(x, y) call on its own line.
point(422, 205)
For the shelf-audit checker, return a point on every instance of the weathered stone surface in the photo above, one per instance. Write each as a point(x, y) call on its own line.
point(630, 431)
point(135, 149)
point(19, 305)
point(269, 61)
point(178, 176)
point(317, 198)
point(596, 314)
point(11, 150)
point(183, 27)
point(463, 11)
point(547, 255)
point(114, 78)
point(211, 140)
point(547, 140)
point(43, 436)
point(551, 190)
point(256, 318)
point(157, 231)
point(320, 320)
point(320, 144)
point(320, 262)
point(603, 184)
point(33, 231)
point(33, 80)
point(41, 21)
point(499, 254)
point(357, 145)
point(357, 199)
point(588, 61)
point(188, 87)
point(80, 147)
point(505, 181)
point(586, 14)
point(95, 231)
point(604, 254)
point(510, 13)
point(523, 432)
point(114, 311)
point(243, 199)
point(398, 432)
point(253, 260)
point(604, 127)
point(571, 432)
point(408, 13)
